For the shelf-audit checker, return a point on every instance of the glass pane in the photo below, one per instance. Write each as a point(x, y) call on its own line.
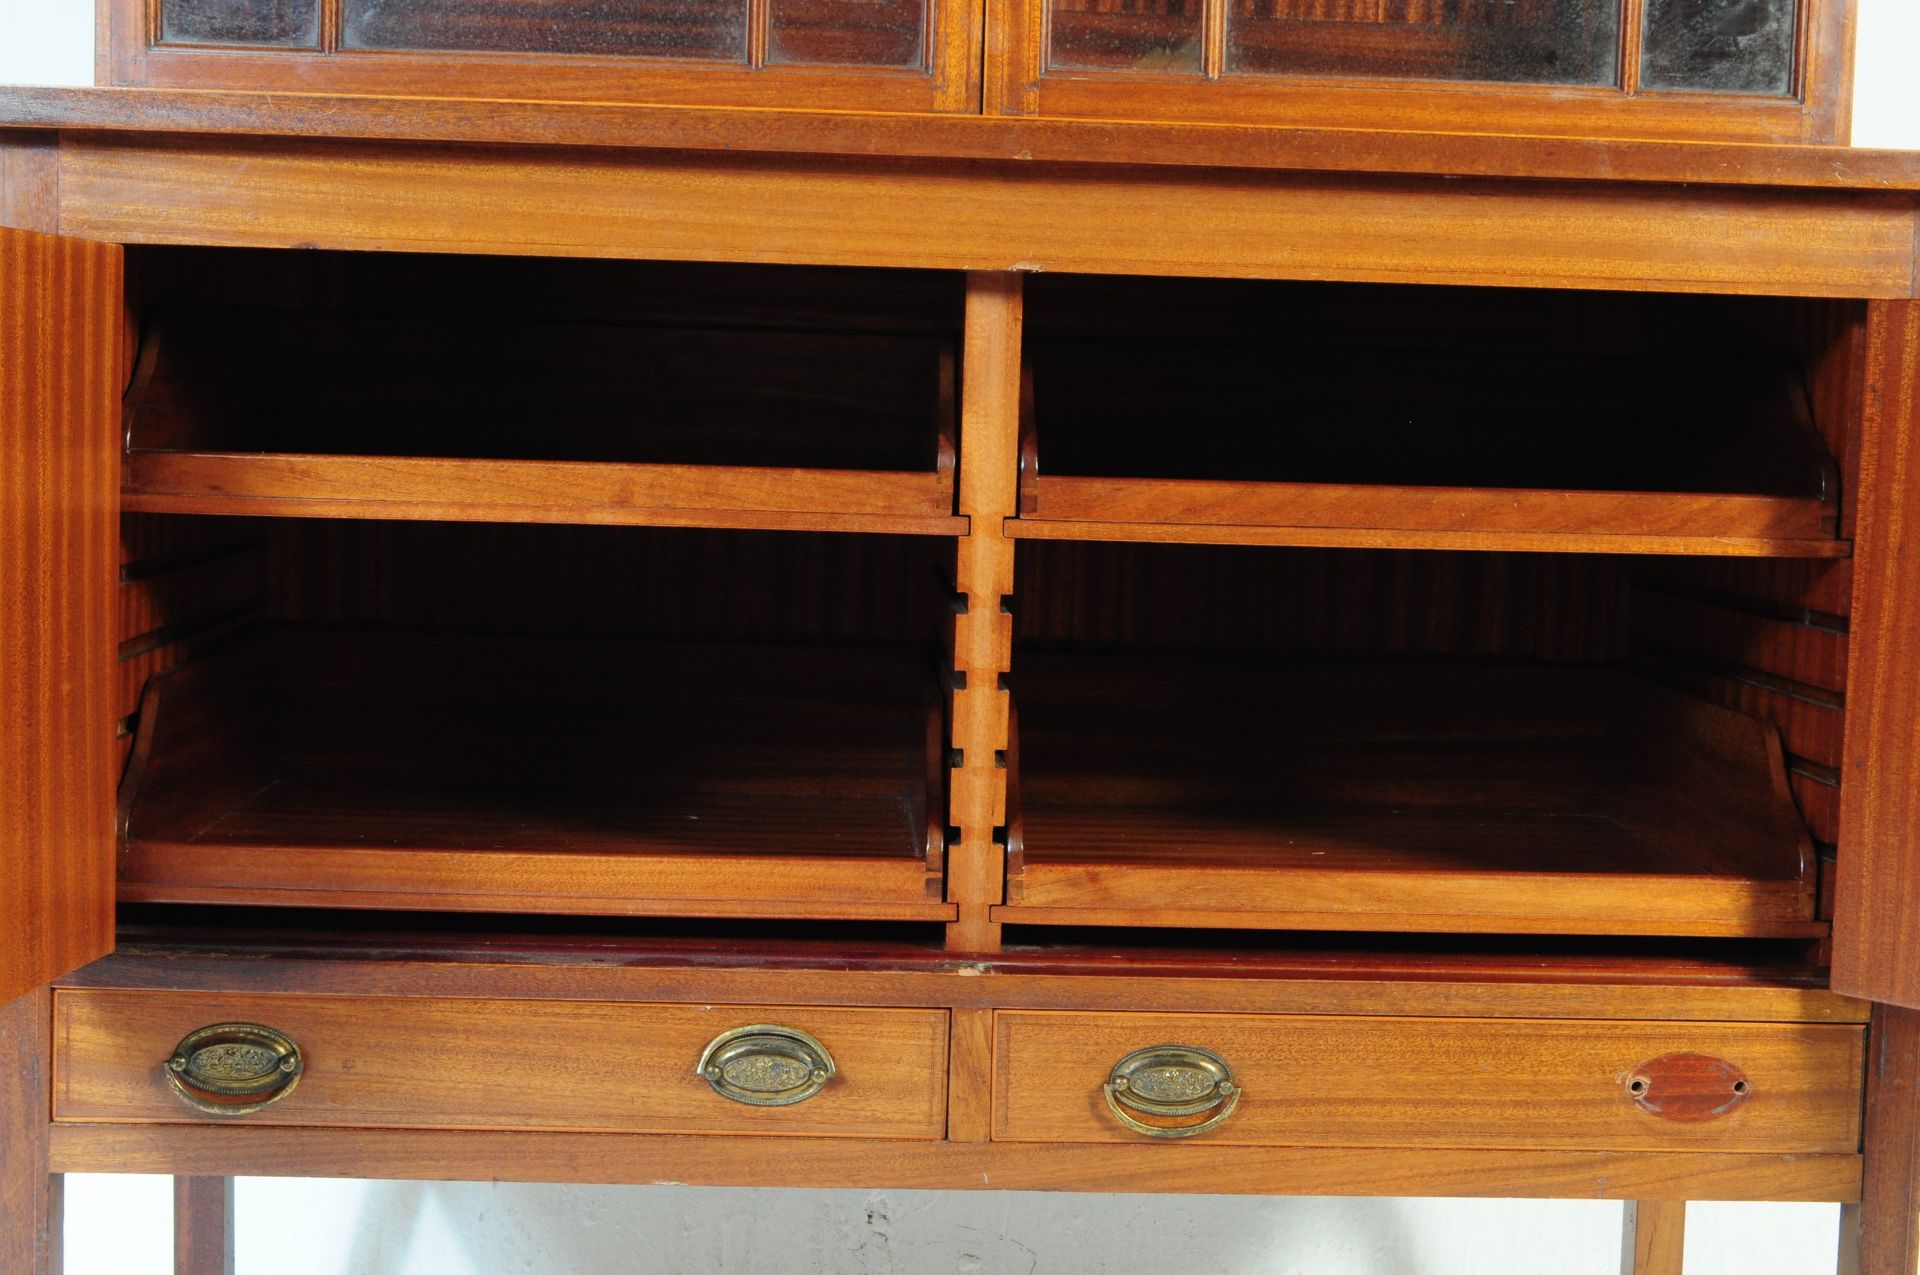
point(848, 32)
point(1126, 35)
point(1497, 41)
point(1719, 46)
point(292, 24)
point(635, 28)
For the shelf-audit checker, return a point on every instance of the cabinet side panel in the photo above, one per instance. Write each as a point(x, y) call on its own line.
point(59, 341)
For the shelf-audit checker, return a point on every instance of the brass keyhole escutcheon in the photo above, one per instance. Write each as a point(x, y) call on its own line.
point(1151, 1090)
point(766, 1065)
point(234, 1069)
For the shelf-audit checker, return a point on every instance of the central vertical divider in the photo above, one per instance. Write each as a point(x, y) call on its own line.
point(983, 628)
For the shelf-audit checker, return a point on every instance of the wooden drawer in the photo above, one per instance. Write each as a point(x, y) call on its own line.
point(1464, 1083)
point(479, 1064)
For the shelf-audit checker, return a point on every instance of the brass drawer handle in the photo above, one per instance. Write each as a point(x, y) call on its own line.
point(766, 1066)
point(1165, 1082)
point(234, 1069)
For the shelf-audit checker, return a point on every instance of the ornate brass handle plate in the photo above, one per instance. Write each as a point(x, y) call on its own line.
point(1165, 1083)
point(234, 1069)
point(766, 1066)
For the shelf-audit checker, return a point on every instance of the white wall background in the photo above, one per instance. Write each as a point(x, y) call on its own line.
point(121, 1225)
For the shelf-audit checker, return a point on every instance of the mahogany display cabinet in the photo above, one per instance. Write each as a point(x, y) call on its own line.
point(568, 617)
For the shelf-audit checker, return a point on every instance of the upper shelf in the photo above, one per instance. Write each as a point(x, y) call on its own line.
point(300, 415)
point(1236, 444)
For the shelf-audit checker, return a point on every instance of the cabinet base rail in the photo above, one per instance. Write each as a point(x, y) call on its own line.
point(645, 1159)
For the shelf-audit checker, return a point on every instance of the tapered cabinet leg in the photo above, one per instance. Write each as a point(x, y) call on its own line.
point(56, 1224)
point(1655, 1239)
point(29, 1216)
point(203, 1226)
point(1881, 1234)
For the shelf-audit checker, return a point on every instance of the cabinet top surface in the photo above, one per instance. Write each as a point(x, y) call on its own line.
point(954, 138)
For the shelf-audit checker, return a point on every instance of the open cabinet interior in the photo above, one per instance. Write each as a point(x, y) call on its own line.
point(570, 587)
point(1427, 417)
point(1334, 608)
point(334, 385)
point(1428, 609)
point(596, 720)
point(1337, 739)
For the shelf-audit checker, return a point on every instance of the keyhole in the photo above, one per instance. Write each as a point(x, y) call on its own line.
point(1638, 1087)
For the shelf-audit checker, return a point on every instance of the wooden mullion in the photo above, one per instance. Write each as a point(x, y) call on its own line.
point(970, 1076)
point(1633, 26)
point(333, 23)
point(1213, 43)
point(759, 21)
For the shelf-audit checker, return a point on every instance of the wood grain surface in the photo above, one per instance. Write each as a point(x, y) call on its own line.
point(899, 1164)
point(993, 216)
point(805, 132)
point(1876, 933)
point(404, 1063)
point(59, 417)
point(1408, 1082)
point(29, 1199)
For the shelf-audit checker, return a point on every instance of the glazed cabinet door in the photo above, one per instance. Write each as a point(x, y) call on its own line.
point(888, 55)
point(1756, 69)
point(60, 342)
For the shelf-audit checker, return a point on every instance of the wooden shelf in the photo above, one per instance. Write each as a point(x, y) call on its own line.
point(301, 415)
point(497, 774)
point(1469, 799)
point(1222, 444)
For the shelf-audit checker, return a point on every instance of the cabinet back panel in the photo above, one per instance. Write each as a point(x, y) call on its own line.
point(616, 583)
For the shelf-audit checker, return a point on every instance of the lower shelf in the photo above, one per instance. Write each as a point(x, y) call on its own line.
point(1396, 798)
point(330, 769)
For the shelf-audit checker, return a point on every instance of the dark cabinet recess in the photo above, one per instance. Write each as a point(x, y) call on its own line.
point(470, 773)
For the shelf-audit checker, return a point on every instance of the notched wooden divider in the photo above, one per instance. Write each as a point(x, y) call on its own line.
point(983, 628)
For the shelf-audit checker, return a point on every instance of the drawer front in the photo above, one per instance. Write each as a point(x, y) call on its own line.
point(475, 1064)
point(1464, 1083)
